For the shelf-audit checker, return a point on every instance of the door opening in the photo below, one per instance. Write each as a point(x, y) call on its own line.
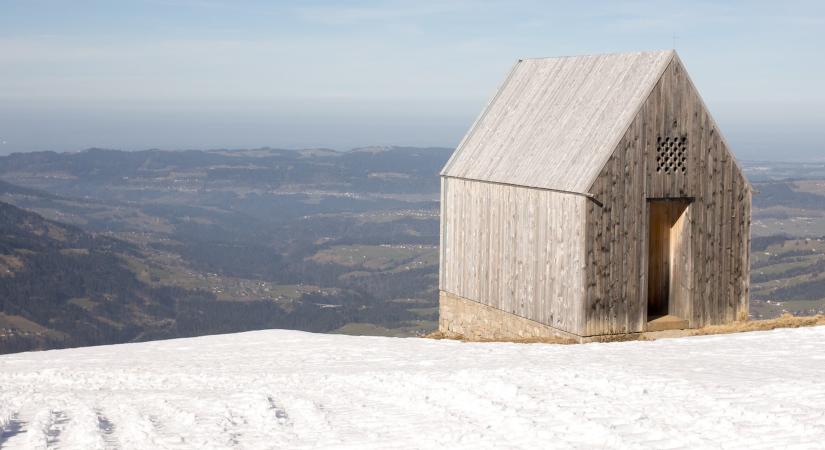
point(668, 270)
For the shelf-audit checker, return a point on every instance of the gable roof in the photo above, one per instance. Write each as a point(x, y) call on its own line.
point(555, 121)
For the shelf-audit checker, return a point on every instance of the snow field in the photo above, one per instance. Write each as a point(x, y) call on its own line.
point(288, 389)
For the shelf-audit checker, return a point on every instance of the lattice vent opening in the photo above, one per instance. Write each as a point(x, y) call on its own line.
point(671, 154)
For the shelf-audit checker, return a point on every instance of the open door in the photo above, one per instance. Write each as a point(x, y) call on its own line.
point(669, 264)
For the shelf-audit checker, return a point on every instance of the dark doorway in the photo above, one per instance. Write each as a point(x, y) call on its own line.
point(668, 264)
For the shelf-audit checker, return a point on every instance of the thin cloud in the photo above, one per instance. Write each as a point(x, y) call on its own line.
point(383, 12)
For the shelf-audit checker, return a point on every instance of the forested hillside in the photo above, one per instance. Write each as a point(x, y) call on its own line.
point(208, 242)
point(63, 287)
point(60, 286)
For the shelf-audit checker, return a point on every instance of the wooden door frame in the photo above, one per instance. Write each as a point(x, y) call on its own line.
point(646, 254)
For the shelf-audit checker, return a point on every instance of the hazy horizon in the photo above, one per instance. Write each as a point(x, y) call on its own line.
point(205, 74)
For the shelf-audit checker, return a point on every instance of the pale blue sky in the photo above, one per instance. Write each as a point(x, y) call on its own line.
point(218, 73)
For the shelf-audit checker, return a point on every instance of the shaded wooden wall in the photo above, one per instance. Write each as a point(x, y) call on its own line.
point(517, 249)
point(699, 166)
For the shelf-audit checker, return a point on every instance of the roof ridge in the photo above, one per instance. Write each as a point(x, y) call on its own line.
point(591, 55)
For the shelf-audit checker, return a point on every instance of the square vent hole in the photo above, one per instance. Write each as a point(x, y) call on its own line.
point(671, 154)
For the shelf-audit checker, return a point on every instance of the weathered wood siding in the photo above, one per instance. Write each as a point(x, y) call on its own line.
point(719, 215)
point(516, 249)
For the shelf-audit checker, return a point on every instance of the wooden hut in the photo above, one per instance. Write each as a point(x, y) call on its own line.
point(593, 197)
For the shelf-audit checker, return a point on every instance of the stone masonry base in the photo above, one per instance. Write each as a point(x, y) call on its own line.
point(473, 321)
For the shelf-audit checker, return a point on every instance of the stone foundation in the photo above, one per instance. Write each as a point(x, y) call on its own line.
point(474, 321)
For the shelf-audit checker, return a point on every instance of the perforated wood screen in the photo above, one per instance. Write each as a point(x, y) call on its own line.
point(671, 154)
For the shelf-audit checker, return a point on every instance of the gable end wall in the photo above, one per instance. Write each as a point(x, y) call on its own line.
point(719, 217)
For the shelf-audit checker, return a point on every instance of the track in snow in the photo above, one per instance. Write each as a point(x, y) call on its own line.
point(288, 389)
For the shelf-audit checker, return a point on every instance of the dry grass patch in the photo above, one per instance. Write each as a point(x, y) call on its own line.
point(784, 321)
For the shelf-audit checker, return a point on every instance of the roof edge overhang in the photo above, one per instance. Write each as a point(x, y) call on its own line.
point(526, 186)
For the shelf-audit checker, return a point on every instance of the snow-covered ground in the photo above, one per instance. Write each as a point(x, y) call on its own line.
point(287, 389)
